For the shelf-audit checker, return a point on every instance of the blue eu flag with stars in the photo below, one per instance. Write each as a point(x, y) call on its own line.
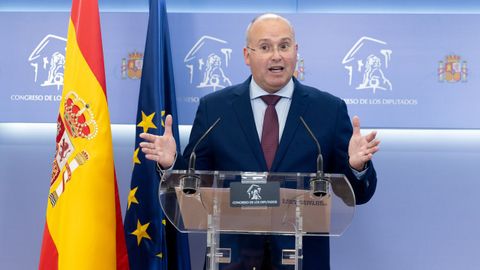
point(152, 242)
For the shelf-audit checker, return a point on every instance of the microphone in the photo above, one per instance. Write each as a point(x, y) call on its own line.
point(319, 185)
point(190, 182)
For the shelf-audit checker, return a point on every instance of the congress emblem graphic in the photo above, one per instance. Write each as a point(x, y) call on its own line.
point(367, 63)
point(207, 63)
point(48, 61)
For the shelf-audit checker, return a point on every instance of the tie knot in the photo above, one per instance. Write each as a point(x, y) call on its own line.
point(271, 99)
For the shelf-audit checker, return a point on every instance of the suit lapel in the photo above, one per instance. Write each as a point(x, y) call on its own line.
point(243, 110)
point(297, 108)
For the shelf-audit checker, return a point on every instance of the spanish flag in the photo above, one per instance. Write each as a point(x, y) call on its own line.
point(83, 227)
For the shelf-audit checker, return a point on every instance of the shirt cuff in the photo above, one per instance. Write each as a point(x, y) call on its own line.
point(360, 174)
point(161, 170)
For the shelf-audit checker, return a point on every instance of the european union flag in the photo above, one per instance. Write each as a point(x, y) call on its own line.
point(147, 230)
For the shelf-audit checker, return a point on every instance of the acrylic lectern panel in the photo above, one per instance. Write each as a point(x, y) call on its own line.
point(259, 203)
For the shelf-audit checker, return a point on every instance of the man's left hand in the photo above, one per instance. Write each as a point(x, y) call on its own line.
point(361, 148)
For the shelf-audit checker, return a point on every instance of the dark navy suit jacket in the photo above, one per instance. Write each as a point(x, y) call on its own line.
point(234, 145)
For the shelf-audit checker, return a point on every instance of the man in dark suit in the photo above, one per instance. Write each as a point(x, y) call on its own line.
point(242, 140)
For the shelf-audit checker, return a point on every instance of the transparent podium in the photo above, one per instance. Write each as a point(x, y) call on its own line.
point(220, 202)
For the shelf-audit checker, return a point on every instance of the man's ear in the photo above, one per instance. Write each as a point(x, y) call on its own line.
point(246, 55)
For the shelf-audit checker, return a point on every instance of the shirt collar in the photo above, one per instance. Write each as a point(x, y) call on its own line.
point(256, 91)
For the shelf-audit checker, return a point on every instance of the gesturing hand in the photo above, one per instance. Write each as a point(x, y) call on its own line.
point(361, 148)
point(161, 149)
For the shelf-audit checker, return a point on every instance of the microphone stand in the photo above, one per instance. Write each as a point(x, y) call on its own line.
point(190, 182)
point(319, 185)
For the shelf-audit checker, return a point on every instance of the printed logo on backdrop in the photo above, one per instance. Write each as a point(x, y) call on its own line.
point(453, 69)
point(48, 61)
point(47, 64)
point(367, 64)
point(299, 72)
point(132, 67)
point(208, 63)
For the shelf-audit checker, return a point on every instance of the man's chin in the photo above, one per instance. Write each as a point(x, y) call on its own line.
point(277, 84)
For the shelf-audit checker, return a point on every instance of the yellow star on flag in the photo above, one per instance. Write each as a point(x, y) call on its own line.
point(160, 255)
point(141, 232)
point(164, 222)
point(147, 122)
point(163, 114)
point(131, 197)
point(135, 157)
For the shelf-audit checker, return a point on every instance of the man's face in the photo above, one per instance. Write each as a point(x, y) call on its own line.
point(271, 53)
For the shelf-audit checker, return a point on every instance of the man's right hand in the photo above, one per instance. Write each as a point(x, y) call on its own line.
point(161, 149)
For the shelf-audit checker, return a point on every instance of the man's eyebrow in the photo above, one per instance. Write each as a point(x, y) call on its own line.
point(286, 39)
point(270, 41)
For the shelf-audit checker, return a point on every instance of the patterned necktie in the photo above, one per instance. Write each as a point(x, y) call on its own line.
point(270, 129)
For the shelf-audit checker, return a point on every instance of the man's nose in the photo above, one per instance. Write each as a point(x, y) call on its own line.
point(276, 54)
